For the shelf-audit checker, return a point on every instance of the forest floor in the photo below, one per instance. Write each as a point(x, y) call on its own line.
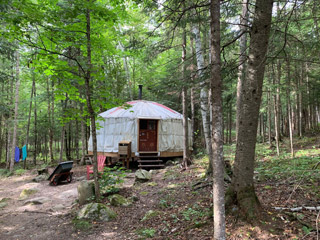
point(181, 202)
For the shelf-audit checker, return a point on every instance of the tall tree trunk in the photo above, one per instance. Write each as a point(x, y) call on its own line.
point(192, 93)
point(83, 137)
point(243, 56)
point(52, 118)
point(193, 114)
point(269, 116)
point(29, 116)
point(35, 127)
point(63, 130)
point(8, 148)
point(301, 108)
point(276, 114)
point(289, 108)
point(89, 105)
point(50, 129)
point(14, 137)
point(1, 136)
point(242, 191)
point(217, 121)
point(204, 107)
point(186, 157)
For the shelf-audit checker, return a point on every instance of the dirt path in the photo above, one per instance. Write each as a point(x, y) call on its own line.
point(41, 215)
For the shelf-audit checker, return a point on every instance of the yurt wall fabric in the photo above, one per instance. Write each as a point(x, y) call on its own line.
point(122, 124)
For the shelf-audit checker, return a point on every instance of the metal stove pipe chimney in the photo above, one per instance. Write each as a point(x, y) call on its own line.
point(140, 92)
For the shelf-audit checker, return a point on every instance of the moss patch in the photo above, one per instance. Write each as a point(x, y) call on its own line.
point(26, 193)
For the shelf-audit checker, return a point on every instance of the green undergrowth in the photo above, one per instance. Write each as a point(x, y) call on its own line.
point(81, 224)
point(303, 165)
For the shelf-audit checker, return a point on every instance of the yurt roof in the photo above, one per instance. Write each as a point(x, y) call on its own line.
point(142, 109)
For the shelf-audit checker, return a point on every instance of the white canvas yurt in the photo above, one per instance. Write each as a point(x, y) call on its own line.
point(149, 126)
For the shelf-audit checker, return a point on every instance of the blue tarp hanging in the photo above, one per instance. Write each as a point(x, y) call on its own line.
point(17, 154)
point(24, 152)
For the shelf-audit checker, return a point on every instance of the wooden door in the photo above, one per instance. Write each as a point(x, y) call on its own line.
point(148, 136)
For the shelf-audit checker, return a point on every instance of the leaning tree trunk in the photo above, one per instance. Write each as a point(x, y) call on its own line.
point(241, 191)
point(14, 137)
point(217, 120)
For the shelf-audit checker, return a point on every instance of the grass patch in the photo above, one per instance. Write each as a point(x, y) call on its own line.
point(20, 171)
point(81, 224)
point(5, 173)
point(146, 232)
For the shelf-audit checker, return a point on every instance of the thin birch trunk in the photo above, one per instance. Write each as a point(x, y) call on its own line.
point(204, 108)
point(269, 118)
point(276, 115)
point(289, 109)
point(186, 157)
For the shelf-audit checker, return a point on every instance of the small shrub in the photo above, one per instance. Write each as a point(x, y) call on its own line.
point(110, 178)
point(81, 224)
point(146, 232)
point(20, 171)
point(5, 173)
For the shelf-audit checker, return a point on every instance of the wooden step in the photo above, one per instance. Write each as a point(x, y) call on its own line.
point(148, 157)
point(143, 166)
point(149, 161)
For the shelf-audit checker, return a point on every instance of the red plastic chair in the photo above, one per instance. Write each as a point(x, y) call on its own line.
point(101, 160)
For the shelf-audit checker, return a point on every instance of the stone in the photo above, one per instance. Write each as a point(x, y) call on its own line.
point(80, 178)
point(5, 199)
point(152, 184)
point(36, 201)
point(85, 191)
point(58, 207)
point(40, 178)
point(97, 212)
point(118, 200)
point(3, 204)
point(26, 193)
point(150, 214)
point(43, 171)
point(143, 175)
point(169, 163)
point(134, 198)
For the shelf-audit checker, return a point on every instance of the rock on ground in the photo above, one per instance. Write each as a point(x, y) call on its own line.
point(97, 212)
point(85, 191)
point(26, 193)
point(118, 200)
point(143, 175)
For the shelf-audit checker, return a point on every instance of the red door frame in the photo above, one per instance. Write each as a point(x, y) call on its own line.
point(148, 134)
